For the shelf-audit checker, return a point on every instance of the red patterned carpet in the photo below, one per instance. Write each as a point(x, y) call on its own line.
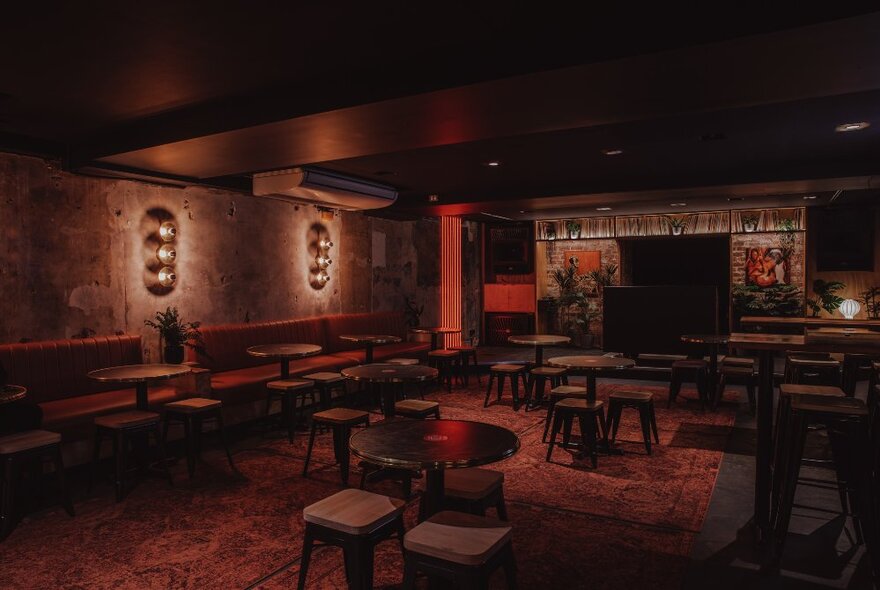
point(628, 523)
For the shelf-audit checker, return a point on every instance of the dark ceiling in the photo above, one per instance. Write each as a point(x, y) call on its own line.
point(422, 97)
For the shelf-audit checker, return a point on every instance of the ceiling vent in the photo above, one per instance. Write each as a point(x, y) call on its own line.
point(320, 187)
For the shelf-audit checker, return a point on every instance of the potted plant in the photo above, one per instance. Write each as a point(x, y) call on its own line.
point(872, 305)
point(677, 224)
point(551, 233)
point(750, 223)
point(413, 313)
point(175, 334)
point(574, 229)
point(826, 296)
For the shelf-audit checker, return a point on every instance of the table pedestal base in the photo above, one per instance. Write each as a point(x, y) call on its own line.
point(432, 500)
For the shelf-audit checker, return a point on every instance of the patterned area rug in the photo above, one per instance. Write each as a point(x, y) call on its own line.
point(628, 523)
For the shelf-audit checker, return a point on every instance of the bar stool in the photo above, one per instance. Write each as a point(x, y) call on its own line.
point(812, 369)
point(417, 408)
point(290, 390)
point(447, 362)
point(326, 383)
point(193, 413)
point(641, 401)
point(514, 373)
point(24, 447)
point(467, 356)
point(463, 548)
point(740, 371)
point(341, 421)
point(848, 423)
point(355, 521)
point(589, 415)
point(556, 394)
point(122, 428)
point(474, 490)
point(857, 367)
point(538, 377)
point(697, 369)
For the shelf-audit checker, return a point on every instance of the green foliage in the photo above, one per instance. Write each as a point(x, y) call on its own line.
point(602, 277)
point(175, 332)
point(567, 279)
point(870, 299)
point(413, 313)
point(573, 228)
point(749, 219)
point(777, 301)
point(677, 222)
point(826, 296)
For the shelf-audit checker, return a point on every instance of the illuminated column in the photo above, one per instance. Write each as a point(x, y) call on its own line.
point(450, 277)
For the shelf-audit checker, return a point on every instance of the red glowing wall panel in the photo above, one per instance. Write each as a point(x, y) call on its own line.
point(520, 298)
point(450, 277)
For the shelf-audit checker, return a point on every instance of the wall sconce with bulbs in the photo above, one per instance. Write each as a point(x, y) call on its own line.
point(167, 254)
point(323, 259)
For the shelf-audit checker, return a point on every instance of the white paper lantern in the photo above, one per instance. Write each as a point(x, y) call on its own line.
point(849, 308)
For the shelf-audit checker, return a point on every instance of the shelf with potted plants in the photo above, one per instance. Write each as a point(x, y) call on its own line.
point(747, 221)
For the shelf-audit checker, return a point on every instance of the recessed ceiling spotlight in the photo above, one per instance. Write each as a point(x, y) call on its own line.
point(678, 204)
point(810, 197)
point(493, 163)
point(612, 151)
point(844, 127)
point(732, 199)
point(603, 208)
point(523, 211)
point(433, 198)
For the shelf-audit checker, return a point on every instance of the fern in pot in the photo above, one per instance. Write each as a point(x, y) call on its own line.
point(175, 334)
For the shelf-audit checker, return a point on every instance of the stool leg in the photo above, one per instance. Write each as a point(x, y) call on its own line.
point(514, 387)
point(291, 415)
point(614, 413)
point(501, 506)
point(409, 573)
point(308, 540)
point(674, 387)
point(500, 385)
point(222, 428)
point(340, 436)
point(750, 390)
point(588, 437)
point(190, 446)
point(8, 500)
point(789, 475)
point(509, 565)
point(160, 445)
point(309, 450)
point(548, 418)
point(653, 418)
point(464, 360)
point(119, 454)
point(489, 390)
point(62, 482)
point(567, 423)
point(646, 428)
point(557, 424)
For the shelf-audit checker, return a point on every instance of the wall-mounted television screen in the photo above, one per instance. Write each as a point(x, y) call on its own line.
point(845, 238)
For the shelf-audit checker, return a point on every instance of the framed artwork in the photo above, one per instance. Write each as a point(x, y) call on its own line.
point(587, 260)
point(767, 267)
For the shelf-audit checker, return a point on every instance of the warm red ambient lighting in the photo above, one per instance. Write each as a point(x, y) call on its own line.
point(450, 277)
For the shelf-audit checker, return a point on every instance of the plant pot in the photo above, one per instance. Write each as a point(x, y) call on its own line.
point(676, 231)
point(575, 235)
point(173, 355)
point(750, 227)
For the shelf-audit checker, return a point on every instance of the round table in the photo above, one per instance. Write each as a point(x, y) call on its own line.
point(386, 376)
point(369, 341)
point(539, 341)
point(590, 366)
point(433, 445)
point(141, 376)
point(12, 393)
point(435, 332)
point(713, 341)
point(284, 353)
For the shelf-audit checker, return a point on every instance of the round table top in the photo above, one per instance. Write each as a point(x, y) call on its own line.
point(434, 330)
point(284, 351)
point(539, 339)
point(434, 444)
point(592, 362)
point(138, 373)
point(388, 373)
point(706, 338)
point(12, 393)
point(371, 338)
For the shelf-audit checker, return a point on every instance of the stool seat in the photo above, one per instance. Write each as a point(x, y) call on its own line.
point(569, 391)
point(290, 384)
point(340, 416)
point(737, 370)
point(689, 364)
point(405, 362)
point(632, 397)
point(194, 404)
point(461, 538)
point(127, 419)
point(824, 390)
point(549, 371)
point(325, 377)
point(813, 362)
point(464, 348)
point(353, 511)
point(415, 405)
point(845, 406)
point(739, 361)
point(27, 440)
point(507, 368)
point(443, 353)
point(472, 483)
point(578, 405)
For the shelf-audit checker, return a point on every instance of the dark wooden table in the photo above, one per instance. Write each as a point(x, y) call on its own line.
point(433, 445)
point(12, 393)
point(712, 342)
point(369, 341)
point(766, 345)
point(590, 366)
point(387, 376)
point(808, 322)
point(284, 353)
point(435, 332)
point(141, 375)
point(539, 341)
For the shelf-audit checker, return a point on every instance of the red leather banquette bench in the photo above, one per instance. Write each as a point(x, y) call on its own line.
point(239, 378)
point(55, 373)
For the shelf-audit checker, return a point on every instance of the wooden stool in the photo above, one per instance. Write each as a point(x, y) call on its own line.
point(473, 490)
point(192, 413)
point(326, 383)
point(356, 521)
point(417, 408)
point(736, 373)
point(23, 447)
point(512, 372)
point(644, 403)
point(556, 394)
point(290, 390)
point(121, 428)
point(462, 548)
point(813, 371)
point(467, 356)
point(847, 420)
point(589, 415)
point(681, 370)
point(447, 362)
point(538, 377)
point(341, 420)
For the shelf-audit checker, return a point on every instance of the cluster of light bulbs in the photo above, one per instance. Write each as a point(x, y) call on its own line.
point(323, 259)
point(167, 254)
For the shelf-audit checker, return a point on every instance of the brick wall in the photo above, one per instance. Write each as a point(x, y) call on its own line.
point(739, 250)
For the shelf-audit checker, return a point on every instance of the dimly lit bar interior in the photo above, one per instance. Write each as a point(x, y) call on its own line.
point(451, 295)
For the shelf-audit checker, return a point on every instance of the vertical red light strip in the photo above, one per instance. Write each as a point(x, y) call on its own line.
point(450, 277)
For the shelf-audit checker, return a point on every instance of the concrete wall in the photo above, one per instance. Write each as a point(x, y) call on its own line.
point(78, 256)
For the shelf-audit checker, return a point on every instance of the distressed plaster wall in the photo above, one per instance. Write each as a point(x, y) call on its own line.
point(72, 257)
